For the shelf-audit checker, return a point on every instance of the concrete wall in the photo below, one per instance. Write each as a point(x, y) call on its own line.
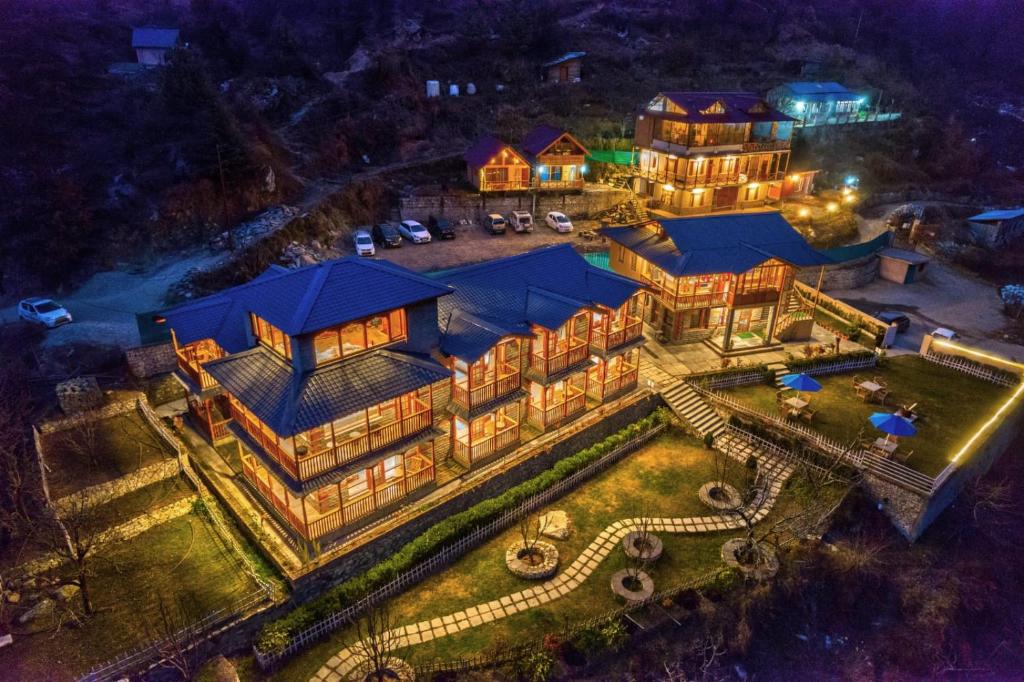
point(471, 206)
point(851, 274)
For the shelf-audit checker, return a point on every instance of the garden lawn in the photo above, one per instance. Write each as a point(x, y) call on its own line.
point(183, 560)
point(100, 451)
point(952, 406)
point(661, 479)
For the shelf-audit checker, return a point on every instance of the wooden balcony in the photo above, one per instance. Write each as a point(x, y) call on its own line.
point(766, 145)
point(559, 184)
point(554, 414)
point(558, 361)
point(194, 372)
point(689, 301)
point(625, 381)
point(603, 341)
point(509, 380)
point(507, 186)
point(486, 446)
point(755, 297)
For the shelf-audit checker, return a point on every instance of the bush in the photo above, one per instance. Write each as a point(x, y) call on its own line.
point(614, 635)
point(538, 667)
point(275, 635)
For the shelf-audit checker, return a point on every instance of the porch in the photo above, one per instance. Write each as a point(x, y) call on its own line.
point(558, 402)
point(486, 435)
point(495, 374)
point(609, 378)
point(554, 350)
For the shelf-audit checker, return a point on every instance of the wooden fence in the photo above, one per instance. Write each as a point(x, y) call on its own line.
point(839, 366)
point(446, 555)
point(978, 370)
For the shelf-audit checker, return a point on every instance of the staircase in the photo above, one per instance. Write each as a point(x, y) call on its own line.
point(780, 370)
point(692, 409)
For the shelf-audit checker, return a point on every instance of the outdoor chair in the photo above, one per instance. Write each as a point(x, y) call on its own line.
point(808, 414)
point(880, 381)
point(883, 395)
point(856, 381)
point(902, 456)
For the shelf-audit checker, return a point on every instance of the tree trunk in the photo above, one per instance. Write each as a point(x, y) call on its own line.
point(83, 590)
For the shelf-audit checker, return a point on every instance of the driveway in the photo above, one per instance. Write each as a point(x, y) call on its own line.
point(946, 297)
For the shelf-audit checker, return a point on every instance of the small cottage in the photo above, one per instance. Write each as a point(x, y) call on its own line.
point(151, 44)
point(997, 228)
point(558, 158)
point(493, 165)
point(901, 266)
point(816, 102)
point(566, 69)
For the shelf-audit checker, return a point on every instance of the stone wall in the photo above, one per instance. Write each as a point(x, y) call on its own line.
point(383, 547)
point(851, 274)
point(79, 395)
point(147, 361)
point(472, 207)
point(110, 490)
point(111, 409)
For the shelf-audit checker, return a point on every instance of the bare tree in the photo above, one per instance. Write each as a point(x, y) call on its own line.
point(640, 557)
point(377, 640)
point(530, 537)
point(176, 634)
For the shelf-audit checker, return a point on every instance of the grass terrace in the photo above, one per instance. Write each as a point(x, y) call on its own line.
point(661, 479)
point(951, 404)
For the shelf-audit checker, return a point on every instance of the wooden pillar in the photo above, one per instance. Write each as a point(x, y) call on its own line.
point(773, 318)
point(727, 336)
point(817, 289)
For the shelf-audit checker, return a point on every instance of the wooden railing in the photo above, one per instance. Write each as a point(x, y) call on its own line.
point(270, 447)
point(625, 380)
point(320, 462)
point(559, 361)
point(508, 185)
point(199, 375)
point(604, 340)
point(506, 383)
point(487, 445)
point(766, 146)
point(754, 297)
point(558, 184)
point(687, 301)
point(556, 413)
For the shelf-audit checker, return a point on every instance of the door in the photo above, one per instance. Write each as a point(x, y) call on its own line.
point(743, 320)
point(563, 73)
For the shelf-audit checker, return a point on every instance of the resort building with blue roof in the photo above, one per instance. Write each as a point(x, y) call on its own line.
point(350, 385)
point(724, 280)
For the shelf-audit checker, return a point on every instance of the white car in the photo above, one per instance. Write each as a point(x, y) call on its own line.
point(43, 311)
point(414, 231)
point(943, 333)
point(557, 221)
point(364, 243)
point(521, 221)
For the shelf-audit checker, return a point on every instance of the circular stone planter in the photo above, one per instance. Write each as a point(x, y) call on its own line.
point(651, 552)
point(764, 571)
point(643, 593)
point(397, 671)
point(516, 561)
point(721, 496)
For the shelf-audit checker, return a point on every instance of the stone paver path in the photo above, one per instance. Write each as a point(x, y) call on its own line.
point(341, 665)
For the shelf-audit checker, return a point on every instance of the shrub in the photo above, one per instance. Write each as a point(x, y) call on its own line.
point(614, 635)
point(538, 667)
point(440, 534)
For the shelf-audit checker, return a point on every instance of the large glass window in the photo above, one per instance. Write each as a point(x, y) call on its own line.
point(356, 337)
point(272, 337)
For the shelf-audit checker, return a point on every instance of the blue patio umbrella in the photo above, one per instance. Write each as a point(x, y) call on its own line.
point(800, 382)
point(892, 424)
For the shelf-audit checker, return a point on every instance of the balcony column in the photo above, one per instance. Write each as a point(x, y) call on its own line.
point(773, 317)
point(727, 337)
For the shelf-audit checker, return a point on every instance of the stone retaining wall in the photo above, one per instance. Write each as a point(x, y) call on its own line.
point(110, 490)
point(147, 361)
point(111, 409)
point(851, 274)
point(473, 207)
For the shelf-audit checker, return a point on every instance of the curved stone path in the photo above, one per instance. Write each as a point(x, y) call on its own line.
point(341, 665)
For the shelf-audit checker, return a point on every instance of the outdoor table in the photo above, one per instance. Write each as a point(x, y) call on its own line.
point(885, 445)
point(796, 403)
point(869, 386)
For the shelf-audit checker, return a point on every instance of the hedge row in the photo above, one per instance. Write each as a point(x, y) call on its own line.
point(276, 635)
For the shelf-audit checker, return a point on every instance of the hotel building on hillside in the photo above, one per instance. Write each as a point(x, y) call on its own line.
point(726, 280)
point(356, 386)
point(701, 152)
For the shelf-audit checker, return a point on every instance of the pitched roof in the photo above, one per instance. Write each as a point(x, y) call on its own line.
point(568, 56)
point(1007, 214)
point(711, 244)
point(291, 403)
point(506, 296)
point(543, 136)
point(302, 301)
point(740, 107)
point(810, 88)
point(485, 149)
point(152, 36)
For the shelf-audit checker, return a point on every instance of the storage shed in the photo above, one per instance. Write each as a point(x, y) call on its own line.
point(151, 44)
point(901, 266)
point(566, 69)
point(996, 228)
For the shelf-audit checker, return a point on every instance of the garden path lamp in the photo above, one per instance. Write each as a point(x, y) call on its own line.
point(892, 425)
point(800, 382)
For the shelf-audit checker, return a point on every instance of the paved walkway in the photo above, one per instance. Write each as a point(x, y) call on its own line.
point(342, 665)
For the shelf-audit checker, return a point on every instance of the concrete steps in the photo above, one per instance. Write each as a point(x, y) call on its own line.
point(692, 409)
point(779, 370)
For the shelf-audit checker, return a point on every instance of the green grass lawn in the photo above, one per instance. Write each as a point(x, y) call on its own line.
point(952, 405)
point(100, 451)
point(661, 479)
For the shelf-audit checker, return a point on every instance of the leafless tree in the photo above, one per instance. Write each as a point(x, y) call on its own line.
point(377, 640)
point(530, 537)
point(639, 559)
point(85, 441)
point(177, 636)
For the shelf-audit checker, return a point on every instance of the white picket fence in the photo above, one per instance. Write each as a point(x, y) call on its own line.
point(839, 366)
point(975, 369)
point(446, 555)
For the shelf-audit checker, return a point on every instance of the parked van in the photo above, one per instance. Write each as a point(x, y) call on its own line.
point(521, 221)
point(494, 223)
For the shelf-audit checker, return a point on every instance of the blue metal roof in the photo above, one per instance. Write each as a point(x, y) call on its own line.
point(151, 36)
point(1007, 214)
point(289, 403)
point(545, 286)
point(712, 244)
point(811, 88)
point(302, 301)
point(568, 56)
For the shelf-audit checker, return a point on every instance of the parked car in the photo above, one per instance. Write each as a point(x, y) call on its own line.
point(414, 231)
point(557, 221)
point(943, 333)
point(43, 311)
point(387, 235)
point(901, 321)
point(441, 228)
point(521, 221)
point(364, 243)
point(494, 223)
